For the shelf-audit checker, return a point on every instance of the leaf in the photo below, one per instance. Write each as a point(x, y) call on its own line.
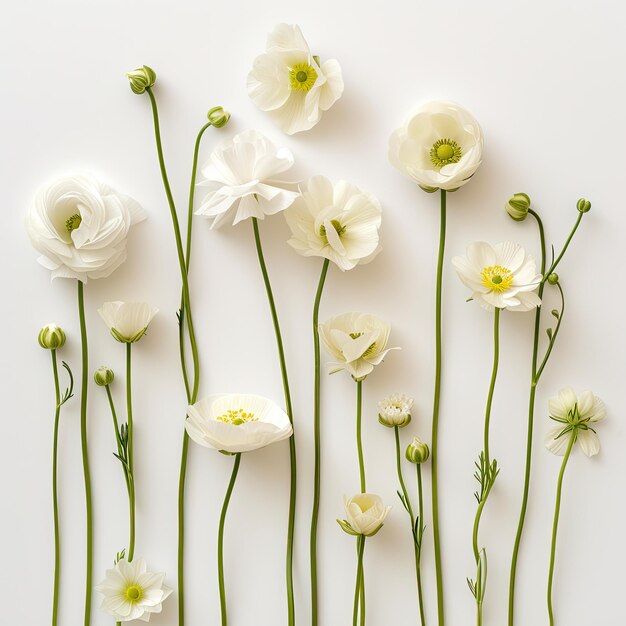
point(69, 392)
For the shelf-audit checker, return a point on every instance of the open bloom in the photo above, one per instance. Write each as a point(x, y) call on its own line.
point(240, 176)
point(132, 592)
point(338, 222)
point(291, 83)
point(365, 514)
point(80, 225)
point(127, 321)
point(395, 410)
point(357, 341)
point(501, 276)
point(575, 417)
point(237, 422)
point(439, 147)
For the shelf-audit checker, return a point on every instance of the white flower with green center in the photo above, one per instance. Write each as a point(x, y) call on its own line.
point(357, 342)
point(395, 410)
point(501, 276)
point(439, 147)
point(292, 84)
point(237, 422)
point(576, 416)
point(127, 321)
point(365, 514)
point(132, 592)
point(337, 222)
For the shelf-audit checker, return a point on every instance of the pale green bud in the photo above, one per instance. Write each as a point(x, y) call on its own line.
point(51, 337)
point(103, 376)
point(583, 205)
point(517, 207)
point(417, 451)
point(141, 78)
point(218, 117)
point(553, 278)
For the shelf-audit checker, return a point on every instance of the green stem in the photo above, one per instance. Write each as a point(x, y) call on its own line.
point(292, 443)
point(555, 525)
point(131, 468)
point(317, 442)
point(220, 539)
point(118, 438)
point(85, 452)
point(554, 335)
point(55, 500)
point(359, 583)
point(359, 441)
point(435, 423)
point(565, 246)
point(418, 566)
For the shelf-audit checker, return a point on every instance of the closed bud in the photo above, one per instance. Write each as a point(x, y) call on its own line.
point(553, 278)
point(51, 337)
point(218, 117)
point(141, 78)
point(365, 514)
point(417, 451)
point(103, 376)
point(517, 207)
point(583, 205)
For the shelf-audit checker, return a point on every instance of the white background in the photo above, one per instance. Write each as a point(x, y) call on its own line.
point(545, 81)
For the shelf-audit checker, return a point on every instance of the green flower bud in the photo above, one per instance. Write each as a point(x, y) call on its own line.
point(417, 451)
point(553, 278)
point(51, 337)
point(583, 205)
point(218, 117)
point(141, 78)
point(103, 376)
point(517, 207)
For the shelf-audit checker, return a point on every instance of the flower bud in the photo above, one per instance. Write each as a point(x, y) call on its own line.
point(395, 410)
point(51, 337)
point(141, 78)
point(103, 376)
point(583, 205)
point(218, 117)
point(417, 451)
point(553, 278)
point(517, 207)
point(365, 514)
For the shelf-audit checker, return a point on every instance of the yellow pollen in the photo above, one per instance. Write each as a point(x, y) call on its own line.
point(497, 278)
point(134, 593)
point(73, 222)
point(236, 417)
point(369, 350)
point(336, 224)
point(444, 152)
point(302, 77)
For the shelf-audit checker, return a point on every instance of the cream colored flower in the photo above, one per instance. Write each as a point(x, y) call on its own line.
point(240, 176)
point(357, 342)
point(127, 321)
point(80, 226)
point(365, 514)
point(291, 83)
point(237, 422)
point(502, 276)
point(440, 146)
point(395, 410)
point(577, 415)
point(338, 222)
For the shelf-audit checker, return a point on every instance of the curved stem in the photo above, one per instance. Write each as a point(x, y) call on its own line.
point(220, 539)
point(359, 441)
point(555, 525)
point(131, 469)
point(317, 442)
point(55, 500)
point(359, 582)
point(554, 335)
point(292, 443)
point(401, 477)
point(565, 246)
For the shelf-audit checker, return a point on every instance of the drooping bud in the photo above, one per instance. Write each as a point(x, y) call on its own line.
point(51, 337)
point(517, 207)
point(218, 117)
point(417, 451)
point(583, 205)
point(141, 78)
point(103, 376)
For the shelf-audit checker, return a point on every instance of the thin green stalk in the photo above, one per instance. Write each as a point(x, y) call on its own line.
point(565, 246)
point(131, 469)
point(555, 525)
point(317, 442)
point(420, 516)
point(359, 583)
point(359, 441)
point(291, 613)
point(55, 498)
point(435, 423)
point(220, 539)
point(118, 438)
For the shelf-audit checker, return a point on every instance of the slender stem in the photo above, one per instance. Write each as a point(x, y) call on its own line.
point(554, 335)
point(118, 438)
point(292, 443)
point(359, 441)
point(435, 423)
point(131, 467)
point(418, 566)
point(85, 452)
point(359, 582)
point(220, 539)
point(565, 246)
point(317, 442)
point(401, 477)
point(55, 499)
point(555, 525)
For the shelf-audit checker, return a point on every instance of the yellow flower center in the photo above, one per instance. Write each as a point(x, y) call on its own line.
point(497, 278)
point(302, 77)
point(236, 417)
point(134, 593)
point(369, 350)
point(444, 152)
point(73, 222)
point(336, 224)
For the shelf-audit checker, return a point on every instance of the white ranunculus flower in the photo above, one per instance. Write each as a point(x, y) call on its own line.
point(80, 225)
point(127, 321)
point(357, 341)
point(575, 413)
point(338, 222)
point(440, 146)
point(240, 176)
point(502, 276)
point(132, 592)
point(291, 83)
point(365, 514)
point(395, 410)
point(237, 422)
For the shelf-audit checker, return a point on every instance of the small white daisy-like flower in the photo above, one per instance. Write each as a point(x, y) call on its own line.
point(395, 410)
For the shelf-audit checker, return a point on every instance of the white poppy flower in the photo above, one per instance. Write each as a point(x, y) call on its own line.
point(80, 225)
point(440, 146)
point(365, 514)
point(132, 592)
point(237, 422)
point(502, 276)
point(357, 341)
point(575, 413)
point(127, 321)
point(338, 222)
point(395, 410)
point(240, 176)
point(291, 83)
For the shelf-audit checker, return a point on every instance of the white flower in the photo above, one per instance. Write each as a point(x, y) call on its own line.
point(502, 276)
point(80, 225)
point(127, 321)
point(291, 83)
point(357, 341)
point(337, 222)
point(440, 146)
point(240, 177)
point(132, 592)
point(237, 422)
point(395, 410)
point(365, 514)
point(575, 414)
